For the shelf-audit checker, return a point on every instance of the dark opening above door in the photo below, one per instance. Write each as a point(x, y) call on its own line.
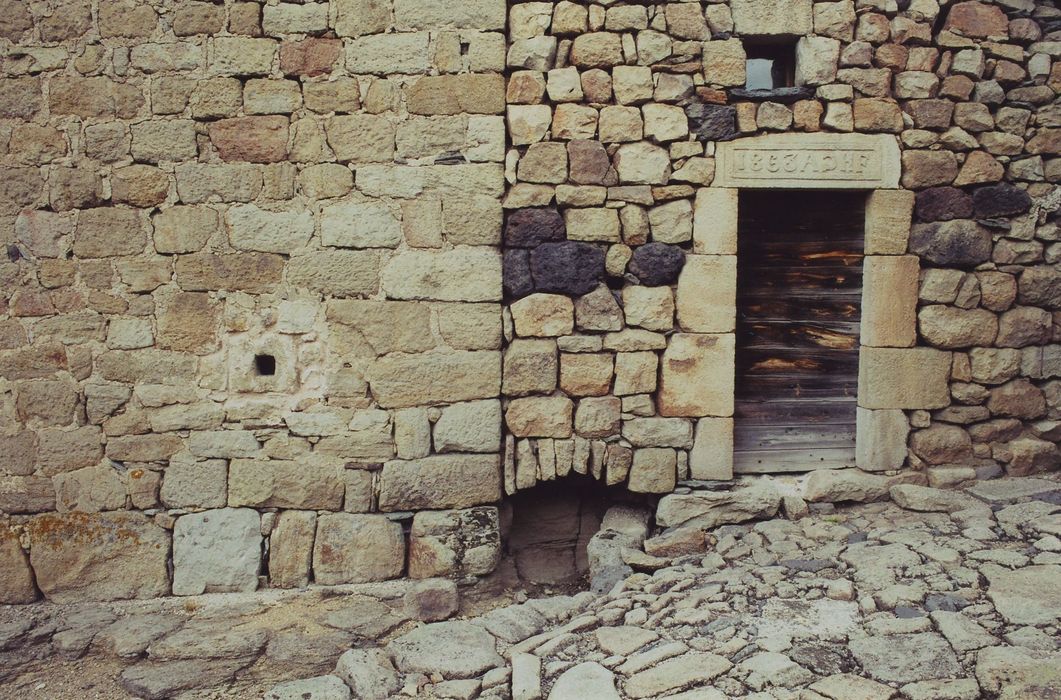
point(799, 295)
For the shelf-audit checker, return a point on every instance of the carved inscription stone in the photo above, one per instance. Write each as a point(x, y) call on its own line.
point(809, 161)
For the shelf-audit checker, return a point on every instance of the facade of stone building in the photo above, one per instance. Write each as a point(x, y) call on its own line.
point(301, 292)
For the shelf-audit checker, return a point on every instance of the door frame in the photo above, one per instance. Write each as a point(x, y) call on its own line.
point(895, 376)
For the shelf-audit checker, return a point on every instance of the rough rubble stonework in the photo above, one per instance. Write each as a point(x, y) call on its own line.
point(351, 264)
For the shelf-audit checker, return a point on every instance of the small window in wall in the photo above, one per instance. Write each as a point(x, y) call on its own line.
point(770, 66)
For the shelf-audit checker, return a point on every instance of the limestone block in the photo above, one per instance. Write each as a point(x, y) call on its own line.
point(635, 373)
point(471, 93)
point(474, 426)
point(369, 224)
point(715, 221)
point(816, 60)
point(291, 548)
point(401, 380)
point(725, 62)
point(598, 311)
point(528, 123)
point(229, 182)
point(889, 300)
point(308, 483)
point(649, 307)
point(888, 215)
point(389, 54)
point(880, 439)
point(361, 138)
point(597, 50)
point(592, 224)
point(171, 140)
point(618, 124)
point(697, 375)
point(574, 121)
point(357, 549)
point(706, 297)
point(89, 490)
point(217, 551)
point(654, 470)
point(184, 229)
point(772, 17)
point(658, 432)
point(544, 162)
point(360, 490)
point(540, 416)
point(98, 556)
point(441, 481)
point(910, 378)
point(107, 232)
point(381, 327)
point(255, 139)
point(26, 494)
point(241, 56)
point(951, 327)
point(188, 483)
point(642, 163)
point(543, 315)
point(598, 417)
point(461, 274)
point(672, 222)
point(528, 20)
point(686, 21)
point(664, 122)
point(16, 577)
point(470, 326)
point(711, 456)
point(530, 367)
point(586, 374)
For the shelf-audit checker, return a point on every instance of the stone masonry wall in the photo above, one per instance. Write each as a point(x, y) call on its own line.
point(251, 296)
point(620, 265)
point(295, 292)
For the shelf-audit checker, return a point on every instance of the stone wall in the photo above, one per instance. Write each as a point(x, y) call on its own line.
point(256, 327)
point(620, 239)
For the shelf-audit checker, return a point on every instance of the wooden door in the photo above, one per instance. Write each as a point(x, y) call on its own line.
point(799, 292)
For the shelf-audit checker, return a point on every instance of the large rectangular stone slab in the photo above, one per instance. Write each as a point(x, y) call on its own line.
point(217, 551)
point(888, 217)
point(98, 556)
point(272, 483)
point(401, 380)
point(809, 161)
point(889, 300)
point(697, 375)
point(357, 549)
point(442, 481)
point(706, 299)
point(903, 378)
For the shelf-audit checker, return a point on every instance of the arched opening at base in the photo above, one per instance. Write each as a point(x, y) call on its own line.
point(547, 529)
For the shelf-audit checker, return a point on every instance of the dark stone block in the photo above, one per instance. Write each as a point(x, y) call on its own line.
point(943, 204)
point(1000, 200)
point(657, 264)
point(960, 242)
point(569, 267)
point(784, 95)
point(712, 122)
point(516, 273)
point(527, 228)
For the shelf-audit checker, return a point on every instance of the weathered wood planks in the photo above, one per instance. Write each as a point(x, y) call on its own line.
point(799, 285)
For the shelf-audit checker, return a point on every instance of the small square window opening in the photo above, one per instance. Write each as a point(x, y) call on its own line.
point(265, 365)
point(770, 66)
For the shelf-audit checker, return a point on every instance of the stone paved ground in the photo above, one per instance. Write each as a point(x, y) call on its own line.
point(937, 595)
point(941, 595)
